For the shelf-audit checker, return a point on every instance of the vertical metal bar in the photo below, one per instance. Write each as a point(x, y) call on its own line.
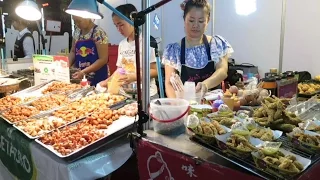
point(213, 16)
point(145, 62)
point(282, 33)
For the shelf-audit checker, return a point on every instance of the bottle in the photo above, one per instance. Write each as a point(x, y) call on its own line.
point(84, 82)
point(114, 86)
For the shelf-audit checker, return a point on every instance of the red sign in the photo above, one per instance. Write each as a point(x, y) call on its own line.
point(159, 163)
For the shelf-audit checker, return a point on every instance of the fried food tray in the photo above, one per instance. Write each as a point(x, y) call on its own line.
point(248, 163)
point(117, 129)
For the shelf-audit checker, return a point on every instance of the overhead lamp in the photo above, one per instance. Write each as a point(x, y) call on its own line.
point(28, 10)
point(89, 9)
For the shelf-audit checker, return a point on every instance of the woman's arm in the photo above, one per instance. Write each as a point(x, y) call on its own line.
point(153, 70)
point(219, 75)
point(169, 89)
point(72, 54)
point(103, 59)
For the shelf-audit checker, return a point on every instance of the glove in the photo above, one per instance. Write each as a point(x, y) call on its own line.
point(201, 88)
point(100, 89)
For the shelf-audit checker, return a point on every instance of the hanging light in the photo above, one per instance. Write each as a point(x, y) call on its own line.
point(85, 9)
point(28, 10)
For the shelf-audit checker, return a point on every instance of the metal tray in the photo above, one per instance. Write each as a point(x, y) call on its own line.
point(117, 129)
point(249, 165)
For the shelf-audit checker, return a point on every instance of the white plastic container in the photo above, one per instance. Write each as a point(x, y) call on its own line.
point(169, 115)
point(189, 91)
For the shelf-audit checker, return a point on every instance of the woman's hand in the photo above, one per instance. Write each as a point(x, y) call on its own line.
point(104, 84)
point(201, 88)
point(127, 79)
point(78, 75)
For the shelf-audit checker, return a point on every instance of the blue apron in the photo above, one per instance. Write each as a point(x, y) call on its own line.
point(86, 54)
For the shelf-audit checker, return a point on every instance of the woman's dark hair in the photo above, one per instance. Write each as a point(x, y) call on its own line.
point(202, 4)
point(126, 9)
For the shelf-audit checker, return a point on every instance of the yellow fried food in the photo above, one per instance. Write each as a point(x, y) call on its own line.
point(262, 133)
point(240, 142)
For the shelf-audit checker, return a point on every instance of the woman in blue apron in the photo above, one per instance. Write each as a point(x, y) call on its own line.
point(89, 51)
point(198, 58)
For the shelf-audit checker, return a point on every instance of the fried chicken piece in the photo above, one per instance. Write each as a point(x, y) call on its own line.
point(220, 129)
point(267, 136)
point(272, 160)
point(199, 129)
point(243, 147)
point(291, 157)
point(285, 163)
point(257, 132)
point(298, 165)
point(293, 168)
point(207, 130)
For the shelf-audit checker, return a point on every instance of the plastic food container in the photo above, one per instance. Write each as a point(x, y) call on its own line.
point(169, 115)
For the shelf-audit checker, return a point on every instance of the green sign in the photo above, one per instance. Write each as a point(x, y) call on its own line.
point(15, 152)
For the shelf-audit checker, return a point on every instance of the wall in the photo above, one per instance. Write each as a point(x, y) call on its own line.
point(255, 38)
point(302, 37)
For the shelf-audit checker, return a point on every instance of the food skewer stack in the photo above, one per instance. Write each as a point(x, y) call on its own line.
point(273, 114)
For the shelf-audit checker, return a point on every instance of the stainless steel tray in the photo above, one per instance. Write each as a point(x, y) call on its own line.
point(123, 123)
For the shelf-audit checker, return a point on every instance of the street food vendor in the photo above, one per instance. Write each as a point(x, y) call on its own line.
point(89, 51)
point(198, 57)
point(24, 46)
point(126, 51)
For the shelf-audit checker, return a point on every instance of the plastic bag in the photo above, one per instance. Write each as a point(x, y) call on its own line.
point(240, 129)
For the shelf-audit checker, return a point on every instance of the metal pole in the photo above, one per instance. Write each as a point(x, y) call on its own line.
point(282, 33)
point(213, 16)
point(145, 62)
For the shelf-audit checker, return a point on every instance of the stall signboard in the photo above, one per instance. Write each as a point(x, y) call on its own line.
point(15, 152)
point(48, 68)
point(156, 162)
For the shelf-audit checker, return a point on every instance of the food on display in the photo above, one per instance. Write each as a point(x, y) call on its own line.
point(18, 113)
point(224, 116)
point(37, 127)
point(9, 101)
point(285, 163)
point(273, 114)
point(103, 119)
point(86, 106)
point(72, 138)
point(61, 87)
point(129, 110)
point(29, 99)
point(308, 139)
point(49, 102)
point(317, 78)
point(240, 143)
point(209, 128)
point(308, 88)
point(265, 134)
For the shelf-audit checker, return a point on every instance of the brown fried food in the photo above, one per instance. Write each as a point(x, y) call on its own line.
point(240, 143)
point(262, 133)
point(220, 129)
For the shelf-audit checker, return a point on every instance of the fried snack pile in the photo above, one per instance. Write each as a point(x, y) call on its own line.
point(103, 119)
point(50, 102)
point(240, 143)
point(287, 163)
point(273, 114)
point(308, 139)
point(61, 87)
point(309, 88)
point(18, 113)
point(71, 138)
point(28, 99)
point(86, 106)
point(9, 101)
point(224, 118)
point(129, 110)
point(37, 127)
point(209, 129)
point(265, 134)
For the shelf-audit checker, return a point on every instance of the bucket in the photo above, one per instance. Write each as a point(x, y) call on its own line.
point(169, 115)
